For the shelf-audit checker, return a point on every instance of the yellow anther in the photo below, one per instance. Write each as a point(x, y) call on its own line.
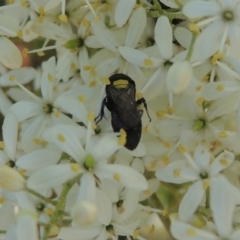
point(216, 57)
point(194, 28)
point(165, 212)
point(106, 81)
point(81, 98)
point(75, 167)
point(49, 211)
point(1, 145)
point(151, 229)
point(25, 52)
point(191, 232)
point(56, 113)
point(91, 116)
point(85, 22)
point(166, 144)
point(148, 62)
point(170, 109)
point(198, 88)
point(206, 184)
point(136, 233)
point(182, 149)
point(147, 192)
point(200, 101)
point(23, 172)
point(61, 137)
point(165, 159)
point(12, 78)
point(105, 8)
point(40, 53)
point(41, 10)
point(122, 138)
point(92, 83)
point(50, 77)
point(220, 87)
point(205, 78)
point(19, 34)
point(40, 19)
point(117, 177)
point(161, 113)
point(223, 135)
point(36, 141)
point(24, 3)
point(177, 172)
point(224, 162)
point(11, 1)
point(73, 66)
point(2, 200)
point(63, 18)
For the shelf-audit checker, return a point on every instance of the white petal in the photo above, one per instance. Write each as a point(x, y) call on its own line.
point(198, 9)
point(5, 103)
point(123, 175)
point(10, 55)
point(123, 11)
point(52, 176)
point(163, 37)
point(183, 36)
point(191, 200)
point(136, 26)
point(202, 156)
point(234, 37)
point(10, 133)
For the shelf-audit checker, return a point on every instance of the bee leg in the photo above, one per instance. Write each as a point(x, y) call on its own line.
point(143, 101)
point(101, 114)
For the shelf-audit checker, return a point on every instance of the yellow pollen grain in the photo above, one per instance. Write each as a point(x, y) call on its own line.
point(92, 83)
point(40, 53)
point(145, 129)
point(63, 18)
point(74, 167)
point(50, 77)
point(198, 88)
point(81, 98)
point(117, 177)
point(151, 229)
point(139, 95)
point(206, 184)
point(165, 212)
point(106, 81)
point(161, 113)
point(2, 145)
point(177, 172)
point(40, 19)
point(73, 66)
point(191, 232)
point(91, 116)
point(49, 211)
point(170, 110)
point(147, 192)
point(194, 28)
point(61, 137)
point(223, 135)
point(200, 101)
point(85, 22)
point(19, 34)
point(220, 87)
point(56, 113)
point(166, 144)
point(2, 200)
point(12, 77)
point(216, 57)
point(205, 78)
point(136, 234)
point(148, 62)
point(165, 159)
point(25, 52)
point(224, 162)
point(36, 141)
point(41, 10)
point(182, 149)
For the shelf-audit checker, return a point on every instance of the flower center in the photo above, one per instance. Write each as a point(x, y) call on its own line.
point(198, 124)
point(89, 162)
point(110, 229)
point(119, 203)
point(167, 64)
point(150, 42)
point(228, 15)
point(40, 207)
point(48, 108)
point(204, 175)
point(11, 164)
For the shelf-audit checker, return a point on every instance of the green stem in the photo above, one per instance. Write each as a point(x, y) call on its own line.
point(60, 206)
point(38, 195)
point(208, 198)
point(190, 50)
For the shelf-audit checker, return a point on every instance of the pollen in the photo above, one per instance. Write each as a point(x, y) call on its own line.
point(2, 200)
point(40, 19)
point(56, 113)
point(61, 137)
point(166, 144)
point(161, 114)
point(148, 62)
point(182, 149)
point(198, 88)
point(63, 18)
point(49, 211)
point(151, 229)
point(75, 167)
point(19, 34)
point(91, 116)
point(41, 10)
point(223, 135)
point(205, 78)
point(200, 101)
point(117, 177)
point(224, 162)
point(191, 232)
point(105, 9)
point(36, 141)
point(194, 28)
point(50, 77)
point(85, 22)
point(165, 159)
point(40, 53)
point(92, 83)
point(139, 95)
point(25, 52)
point(12, 78)
point(1, 145)
point(145, 129)
point(24, 3)
point(136, 234)
point(81, 98)
point(220, 87)
point(147, 192)
point(216, 57)
point(170, 109)
point(122, 138)
point(177, 172)
point(206, 184)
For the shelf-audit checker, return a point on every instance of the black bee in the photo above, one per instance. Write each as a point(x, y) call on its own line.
point(125, 111)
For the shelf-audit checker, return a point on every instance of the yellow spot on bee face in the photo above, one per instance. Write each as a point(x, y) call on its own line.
point(61, 137)
point(177, 172)
point(182, 149)
point(117, 177)
point(223, 135)
point(148, 62)
point(139, 95)
point(75, 167)
point(81, 98)
point(206, 184)
point(220, 87)
point(121, 83)
point(12, 77)
point(224, 162)
point(50, 77)
point(63, 18)
point(191, 232)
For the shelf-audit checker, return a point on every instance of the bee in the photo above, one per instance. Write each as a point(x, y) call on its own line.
point(126, 112)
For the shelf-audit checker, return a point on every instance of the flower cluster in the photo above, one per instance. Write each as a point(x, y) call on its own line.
point(64, 175)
